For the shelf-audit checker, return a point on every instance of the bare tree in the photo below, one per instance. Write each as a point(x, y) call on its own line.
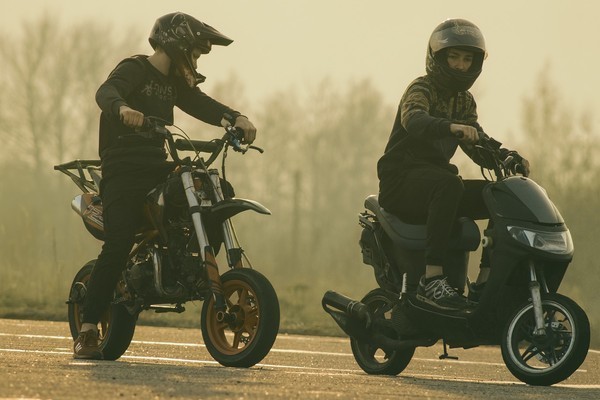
point(52, 75)
point(47, 116)
point(319, 165)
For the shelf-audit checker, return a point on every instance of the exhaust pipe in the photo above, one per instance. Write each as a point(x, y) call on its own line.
point(352, 308)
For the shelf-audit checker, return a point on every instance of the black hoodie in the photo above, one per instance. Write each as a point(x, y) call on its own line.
point(135, 82)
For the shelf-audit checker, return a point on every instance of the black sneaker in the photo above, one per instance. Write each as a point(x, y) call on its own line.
point(86, 346)
point(437, 292)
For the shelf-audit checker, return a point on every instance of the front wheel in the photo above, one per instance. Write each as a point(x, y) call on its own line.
point(372, 359)
point(248, 338)
point(116, 326)
point(553, 357)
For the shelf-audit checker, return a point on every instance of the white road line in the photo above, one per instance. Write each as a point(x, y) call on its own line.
point(35, 336)
point(295, 369)
point(179, 344)
point(276, 350)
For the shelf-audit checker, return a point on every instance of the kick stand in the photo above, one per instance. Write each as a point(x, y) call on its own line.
point(446, 355)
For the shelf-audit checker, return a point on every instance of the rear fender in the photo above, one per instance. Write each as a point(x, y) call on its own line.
point(89, 207)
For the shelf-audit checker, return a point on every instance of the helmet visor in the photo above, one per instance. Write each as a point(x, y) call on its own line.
point(457, 33)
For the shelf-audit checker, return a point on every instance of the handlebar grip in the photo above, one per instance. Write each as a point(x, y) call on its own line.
point(196, 145)
point(148, 124)
point(78, 163)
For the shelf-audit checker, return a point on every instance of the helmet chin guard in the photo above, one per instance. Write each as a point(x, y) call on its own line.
point(178, 34)
point(182, 63)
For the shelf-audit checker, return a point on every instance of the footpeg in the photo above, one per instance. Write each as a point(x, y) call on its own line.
point(165, 309)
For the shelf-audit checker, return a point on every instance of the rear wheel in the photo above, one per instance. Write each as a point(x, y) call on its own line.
point(553, 357)
point(372, 359)
point(116, 326)
point(253, 303)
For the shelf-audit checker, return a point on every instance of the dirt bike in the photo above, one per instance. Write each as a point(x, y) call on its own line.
point(172, 261)
point(544, 336)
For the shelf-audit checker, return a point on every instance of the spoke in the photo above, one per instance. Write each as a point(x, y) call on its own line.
point(251, 313)
point(221, 326)
point(236, 339)
point(526, 330)
point(251, 321)
point(550, 317)
point(529, 353)
point(243, 295)
point(554, 357)
point(550, 314)
point(565, 336)
point(228, 301)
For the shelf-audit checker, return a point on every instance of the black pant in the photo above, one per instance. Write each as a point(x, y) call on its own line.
point(123, 197)
point(436, 197)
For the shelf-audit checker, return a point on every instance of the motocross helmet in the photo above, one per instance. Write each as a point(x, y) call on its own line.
point(179, 34)
point(461, 34)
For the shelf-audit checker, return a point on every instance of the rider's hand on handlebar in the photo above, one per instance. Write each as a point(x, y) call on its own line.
point(524, 167)
point(465, 133)
point(516, 164)
point(245, 125)
point(130, 117)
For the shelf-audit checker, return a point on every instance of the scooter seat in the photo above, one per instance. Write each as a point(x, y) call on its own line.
point(465, 233)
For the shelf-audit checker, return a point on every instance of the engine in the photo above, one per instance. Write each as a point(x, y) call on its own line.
point(140, 277)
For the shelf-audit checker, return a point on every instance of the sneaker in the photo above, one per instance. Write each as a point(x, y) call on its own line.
point(437, 292)
point(86, 346)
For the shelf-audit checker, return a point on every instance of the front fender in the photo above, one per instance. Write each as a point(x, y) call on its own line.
point(227, 208)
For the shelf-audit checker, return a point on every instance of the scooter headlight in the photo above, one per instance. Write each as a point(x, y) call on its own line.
point(552, 242)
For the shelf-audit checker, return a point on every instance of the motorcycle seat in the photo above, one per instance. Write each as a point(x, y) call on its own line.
point(465, 233)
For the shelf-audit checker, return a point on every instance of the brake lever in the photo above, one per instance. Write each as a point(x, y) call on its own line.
point(236, 145)
point(509, 166)
point(259, 149)
point(507, 161)
point(234, 140)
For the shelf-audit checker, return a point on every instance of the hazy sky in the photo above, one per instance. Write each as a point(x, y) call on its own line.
point(282, 44)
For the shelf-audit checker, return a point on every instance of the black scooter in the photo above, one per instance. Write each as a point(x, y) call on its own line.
point(544, 336)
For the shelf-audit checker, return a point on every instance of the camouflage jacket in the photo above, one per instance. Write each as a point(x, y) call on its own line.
point(421, 133)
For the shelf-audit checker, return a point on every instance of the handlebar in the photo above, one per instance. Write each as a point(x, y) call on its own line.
point(491, 156)
point(504, 163)
point(232, 137)
point(195, 145)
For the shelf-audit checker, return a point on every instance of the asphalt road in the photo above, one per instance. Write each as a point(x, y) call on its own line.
point(173, 363)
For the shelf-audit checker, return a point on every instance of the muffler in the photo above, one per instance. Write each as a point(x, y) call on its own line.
point(352, 316)
point(352, 308)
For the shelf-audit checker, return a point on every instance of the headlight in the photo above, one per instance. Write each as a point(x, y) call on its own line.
point(552, 242)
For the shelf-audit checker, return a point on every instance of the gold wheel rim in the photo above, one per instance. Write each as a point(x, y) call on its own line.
point(233, 338)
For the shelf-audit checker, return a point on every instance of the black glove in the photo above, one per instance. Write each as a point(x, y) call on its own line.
point(513, 161)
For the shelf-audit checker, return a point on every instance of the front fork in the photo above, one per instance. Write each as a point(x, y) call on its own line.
point(536, 299)
point(234, 252)
point(206, 252)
